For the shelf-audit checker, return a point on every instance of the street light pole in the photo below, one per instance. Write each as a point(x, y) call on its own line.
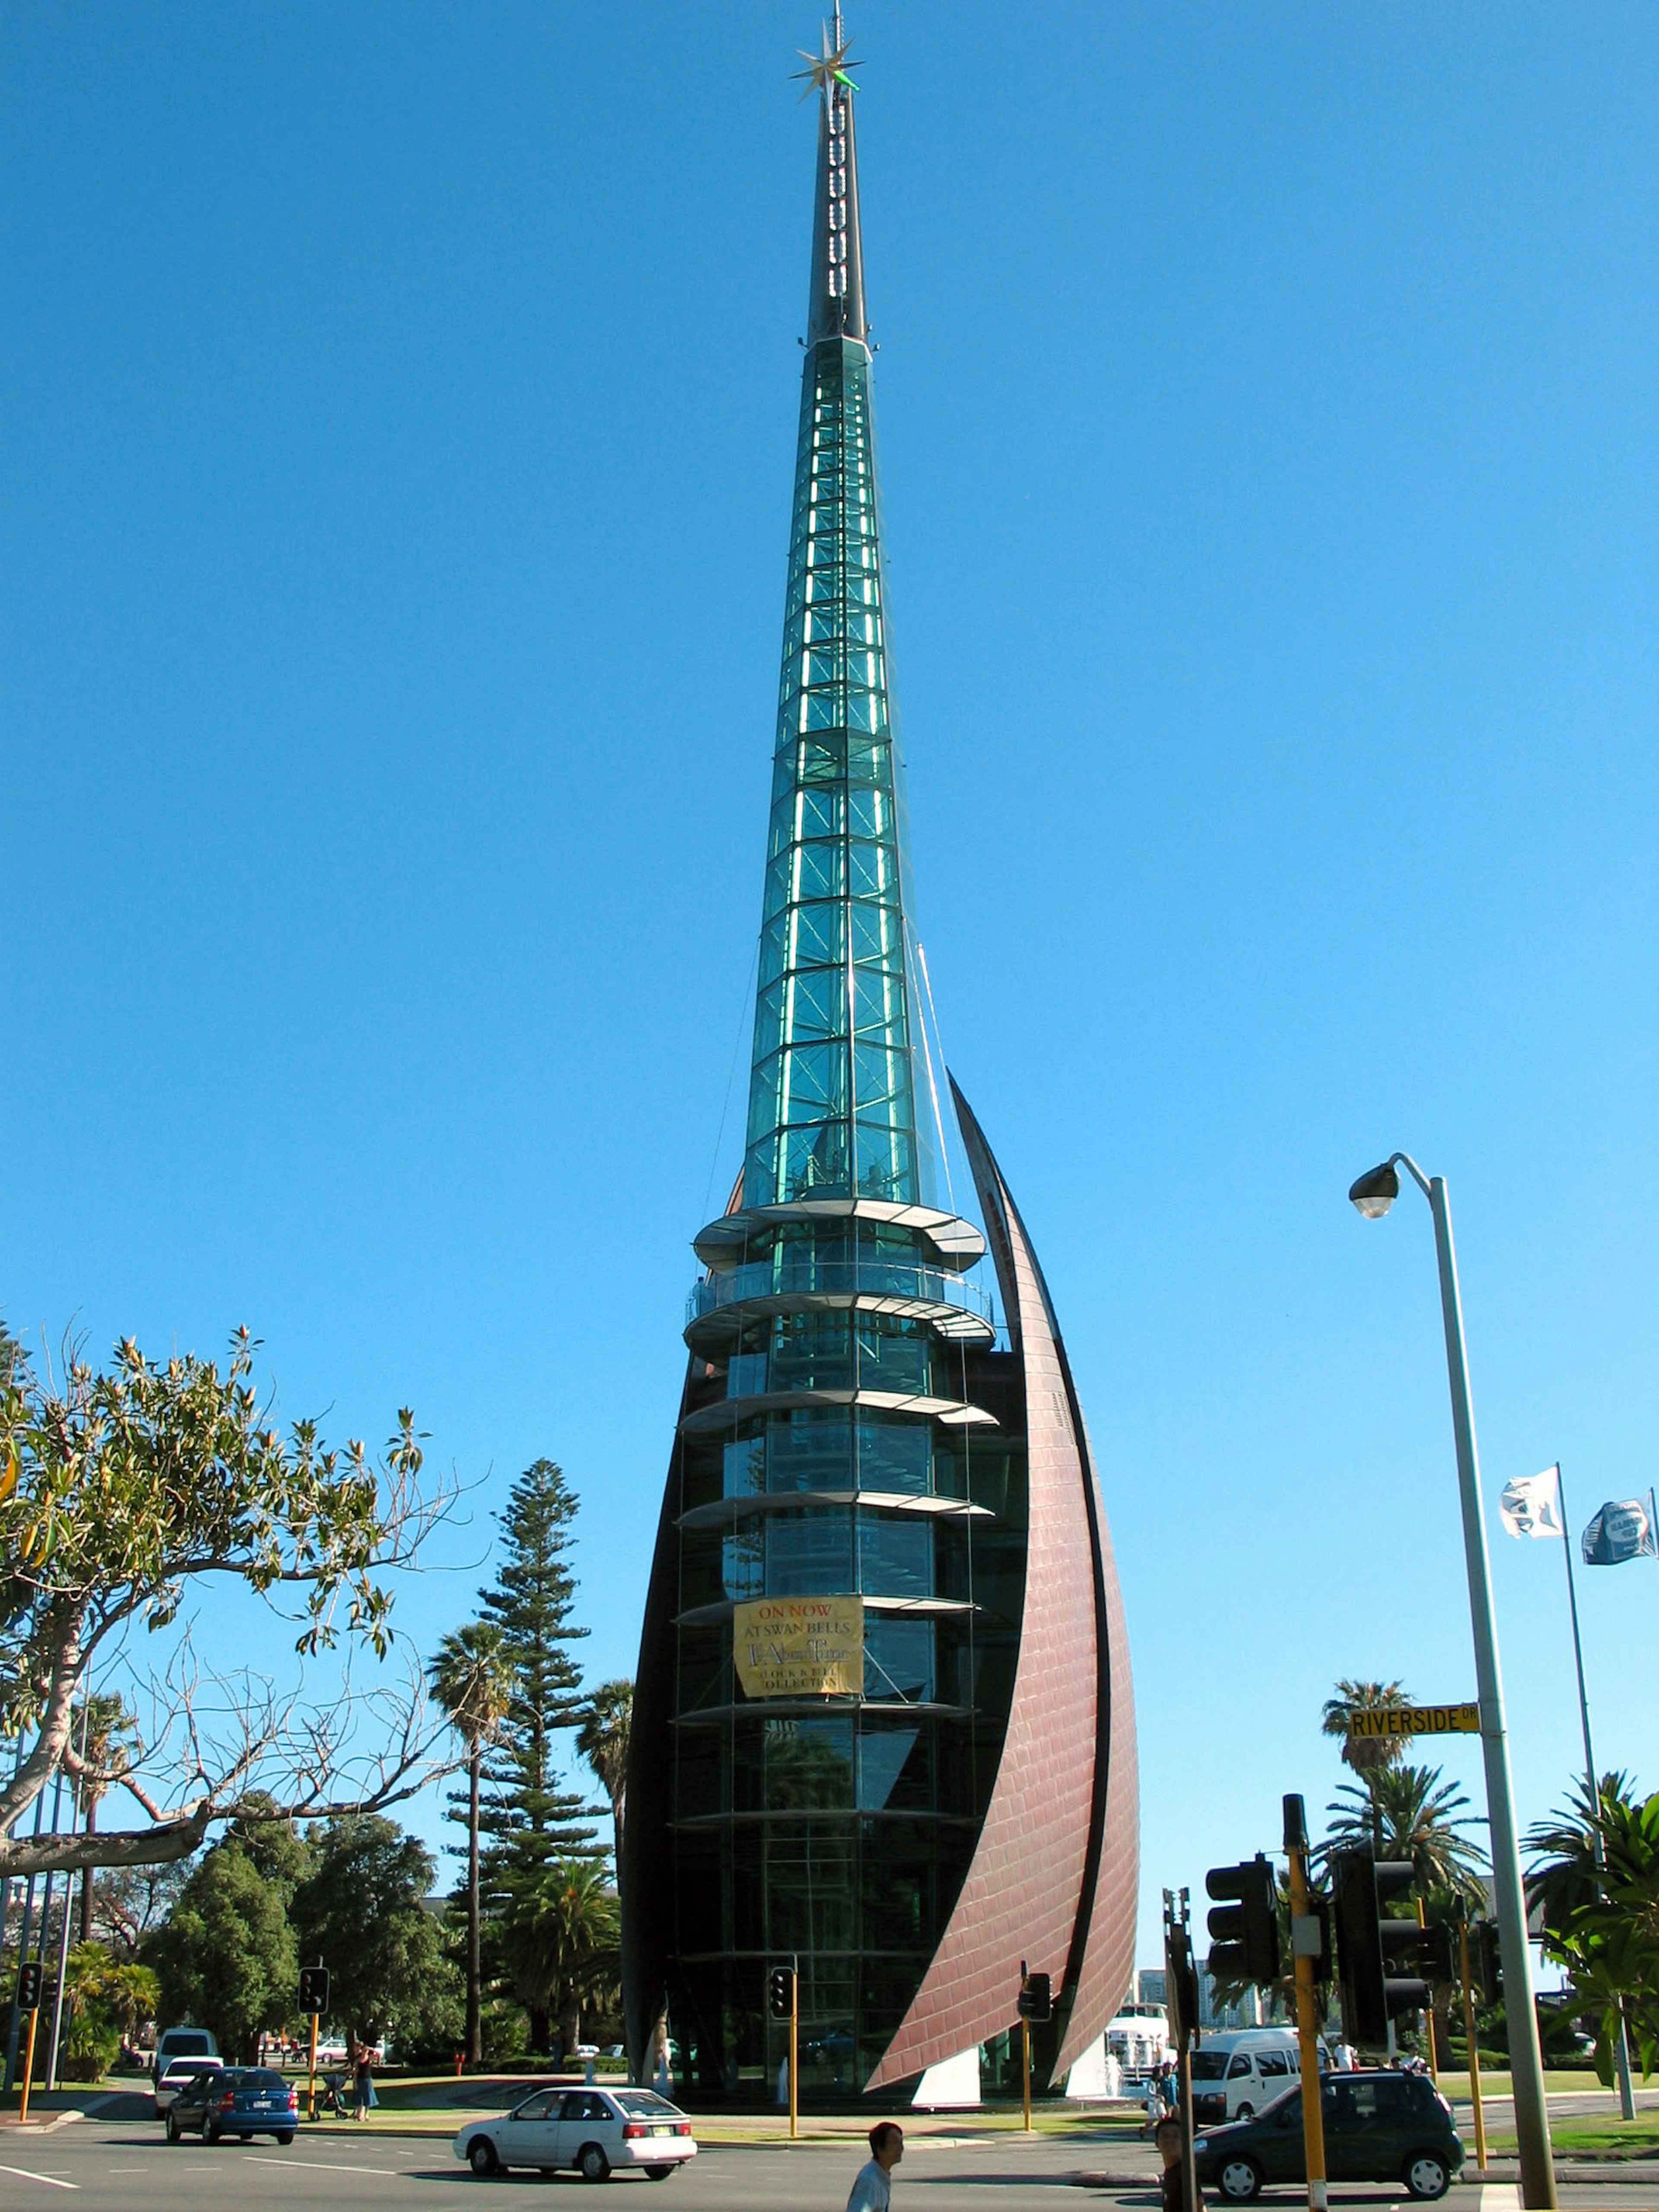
point(1373, 1193)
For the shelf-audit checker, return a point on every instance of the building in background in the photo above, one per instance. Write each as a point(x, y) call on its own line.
point(883, 1723)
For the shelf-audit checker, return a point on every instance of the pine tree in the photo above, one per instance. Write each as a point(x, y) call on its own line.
point(532, 1824)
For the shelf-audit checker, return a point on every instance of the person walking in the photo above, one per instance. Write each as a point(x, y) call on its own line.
point(872, 2190)
point(1166, 2135)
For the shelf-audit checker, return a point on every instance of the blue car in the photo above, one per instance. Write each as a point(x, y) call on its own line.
point(235, 2100)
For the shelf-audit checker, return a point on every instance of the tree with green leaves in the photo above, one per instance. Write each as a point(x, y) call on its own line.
point(362, 1910)
point(602, 1740)
point(471, 1680)
point(123, 1492)
point(563, 1937)
point(531, 1823)
point(1409, 1812)
point(1596, 1877)
point(226, 1957)
point(108, 1997)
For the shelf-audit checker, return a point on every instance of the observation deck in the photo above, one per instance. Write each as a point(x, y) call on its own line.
point(724, 1244)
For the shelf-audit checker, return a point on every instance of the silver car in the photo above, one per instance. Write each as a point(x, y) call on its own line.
point(595, 2131)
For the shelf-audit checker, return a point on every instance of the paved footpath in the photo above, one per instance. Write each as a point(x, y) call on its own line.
point(128, 2167)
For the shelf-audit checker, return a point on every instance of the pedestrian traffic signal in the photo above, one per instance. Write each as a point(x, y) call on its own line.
point(313, 1988)
point(1247, 1948)
point(1485, 1967)
point(1382, 1964)
point(781, 1993)
point(28, 1986)
point(1036, 1998)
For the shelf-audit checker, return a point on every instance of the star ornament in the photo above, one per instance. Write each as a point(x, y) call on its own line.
point(828, 68)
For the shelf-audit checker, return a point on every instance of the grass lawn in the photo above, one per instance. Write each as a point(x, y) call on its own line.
point(1608, 2139)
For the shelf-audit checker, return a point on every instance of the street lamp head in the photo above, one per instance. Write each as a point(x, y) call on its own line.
point(1376, 1192)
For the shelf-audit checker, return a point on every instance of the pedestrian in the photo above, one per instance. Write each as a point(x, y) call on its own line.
point(1346, 2059)
point(363, 2063)
point(1168, 2137)
point(872, 2191)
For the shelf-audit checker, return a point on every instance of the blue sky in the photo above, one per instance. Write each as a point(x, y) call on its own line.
point(397, 424)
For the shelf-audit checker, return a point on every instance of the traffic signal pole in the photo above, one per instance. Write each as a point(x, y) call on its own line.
point(794, 2047)
point(1303, 1918)
point(1474, 2051)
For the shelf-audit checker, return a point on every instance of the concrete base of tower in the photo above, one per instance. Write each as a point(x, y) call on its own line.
point(952, 2086)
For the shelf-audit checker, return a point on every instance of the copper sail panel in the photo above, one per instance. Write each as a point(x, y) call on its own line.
point(1053, 1875)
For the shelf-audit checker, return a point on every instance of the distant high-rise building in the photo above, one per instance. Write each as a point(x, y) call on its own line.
point(883, 1722)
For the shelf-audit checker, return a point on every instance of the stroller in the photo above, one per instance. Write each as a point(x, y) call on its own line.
point(330, 2096)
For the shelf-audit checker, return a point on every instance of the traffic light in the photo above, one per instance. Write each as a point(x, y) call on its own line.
point(1485, 1967)
point(1372, 1951)
point(1180, 1986)
point(1247, 1933)
point(28, 1986)
point(1036, 1998)
point(313, 1988)
point(781, 1993)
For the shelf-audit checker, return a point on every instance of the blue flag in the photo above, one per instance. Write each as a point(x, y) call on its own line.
point(1620, 1531)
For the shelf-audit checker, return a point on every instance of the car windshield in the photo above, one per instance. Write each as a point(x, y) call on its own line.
point(185, 2069)
point(260, 2077)
point(182, 2039)
point(642, 2100)
point(1209, 2065)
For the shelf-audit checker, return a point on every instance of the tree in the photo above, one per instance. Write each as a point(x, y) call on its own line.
point(362, 1911)
point(472, 1680)
point(1600, 1911)
point(108, 1998)
point(1409, 1812)
point(531, 1824)
point(104, 1722)
point(1365, 1754)
point(226, 1958)
point(602, 1740)
point(119, 1492)
point(564, 1937)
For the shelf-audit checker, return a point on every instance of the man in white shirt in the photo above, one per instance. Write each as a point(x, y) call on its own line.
point(873, 2191)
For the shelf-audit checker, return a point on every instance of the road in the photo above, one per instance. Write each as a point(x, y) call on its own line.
point(128, 2167)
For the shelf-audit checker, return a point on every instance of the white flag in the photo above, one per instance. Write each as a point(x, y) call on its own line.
point(1531, 1504)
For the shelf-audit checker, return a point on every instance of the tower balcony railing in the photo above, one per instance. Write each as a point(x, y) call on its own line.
point(869, 1278)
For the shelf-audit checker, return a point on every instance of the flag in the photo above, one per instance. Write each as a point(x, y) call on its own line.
point(1621, 1530)
point(1531, 1504)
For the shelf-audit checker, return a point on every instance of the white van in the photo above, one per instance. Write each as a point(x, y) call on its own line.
point(1237, 2074)
point(181, 2042)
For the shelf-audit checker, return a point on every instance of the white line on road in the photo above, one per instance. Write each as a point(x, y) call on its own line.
point(50, 2179)
point(324, 2166)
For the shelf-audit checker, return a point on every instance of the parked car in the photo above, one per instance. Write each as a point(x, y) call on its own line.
point(1378, 2127)
point(235, 2100)
point(182, 2043)
point(1240, 2073)
point(592, 2130)
point(179, 2073)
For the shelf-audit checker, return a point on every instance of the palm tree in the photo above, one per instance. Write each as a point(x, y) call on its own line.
point(104, 1759)
point(1366, 1754)
point(602, 1740)
point(1566, 1850)
point(473, 1679)
point(1409, 1812)
point(564, 1942)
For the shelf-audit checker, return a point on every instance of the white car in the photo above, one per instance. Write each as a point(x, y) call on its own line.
point(595, 2131)
point(177, 2072)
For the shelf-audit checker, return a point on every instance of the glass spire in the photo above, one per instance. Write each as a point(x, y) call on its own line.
point(833, 1092)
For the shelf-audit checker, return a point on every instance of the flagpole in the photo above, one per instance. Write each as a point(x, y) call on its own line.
point(1621, 2047)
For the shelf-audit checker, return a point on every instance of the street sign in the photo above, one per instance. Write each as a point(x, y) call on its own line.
point(1414, 1719)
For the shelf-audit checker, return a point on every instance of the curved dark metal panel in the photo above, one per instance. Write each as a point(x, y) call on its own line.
point(1054, 1874)
point(646, 1877)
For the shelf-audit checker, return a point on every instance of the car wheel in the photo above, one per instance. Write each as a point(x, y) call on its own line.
point(175, 2133)
point(591, 2163)
point(657, 2172)
point(1245, 2112)
point(482, 2158)
point(1427, 2175)
point(285, 2138)
point(1239, 2181)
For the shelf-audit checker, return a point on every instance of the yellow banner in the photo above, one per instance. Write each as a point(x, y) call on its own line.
point(1414, 1720)
point(800, 1647)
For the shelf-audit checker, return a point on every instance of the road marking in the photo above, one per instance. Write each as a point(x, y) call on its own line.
point(322, 2166)
point(50, 2179)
